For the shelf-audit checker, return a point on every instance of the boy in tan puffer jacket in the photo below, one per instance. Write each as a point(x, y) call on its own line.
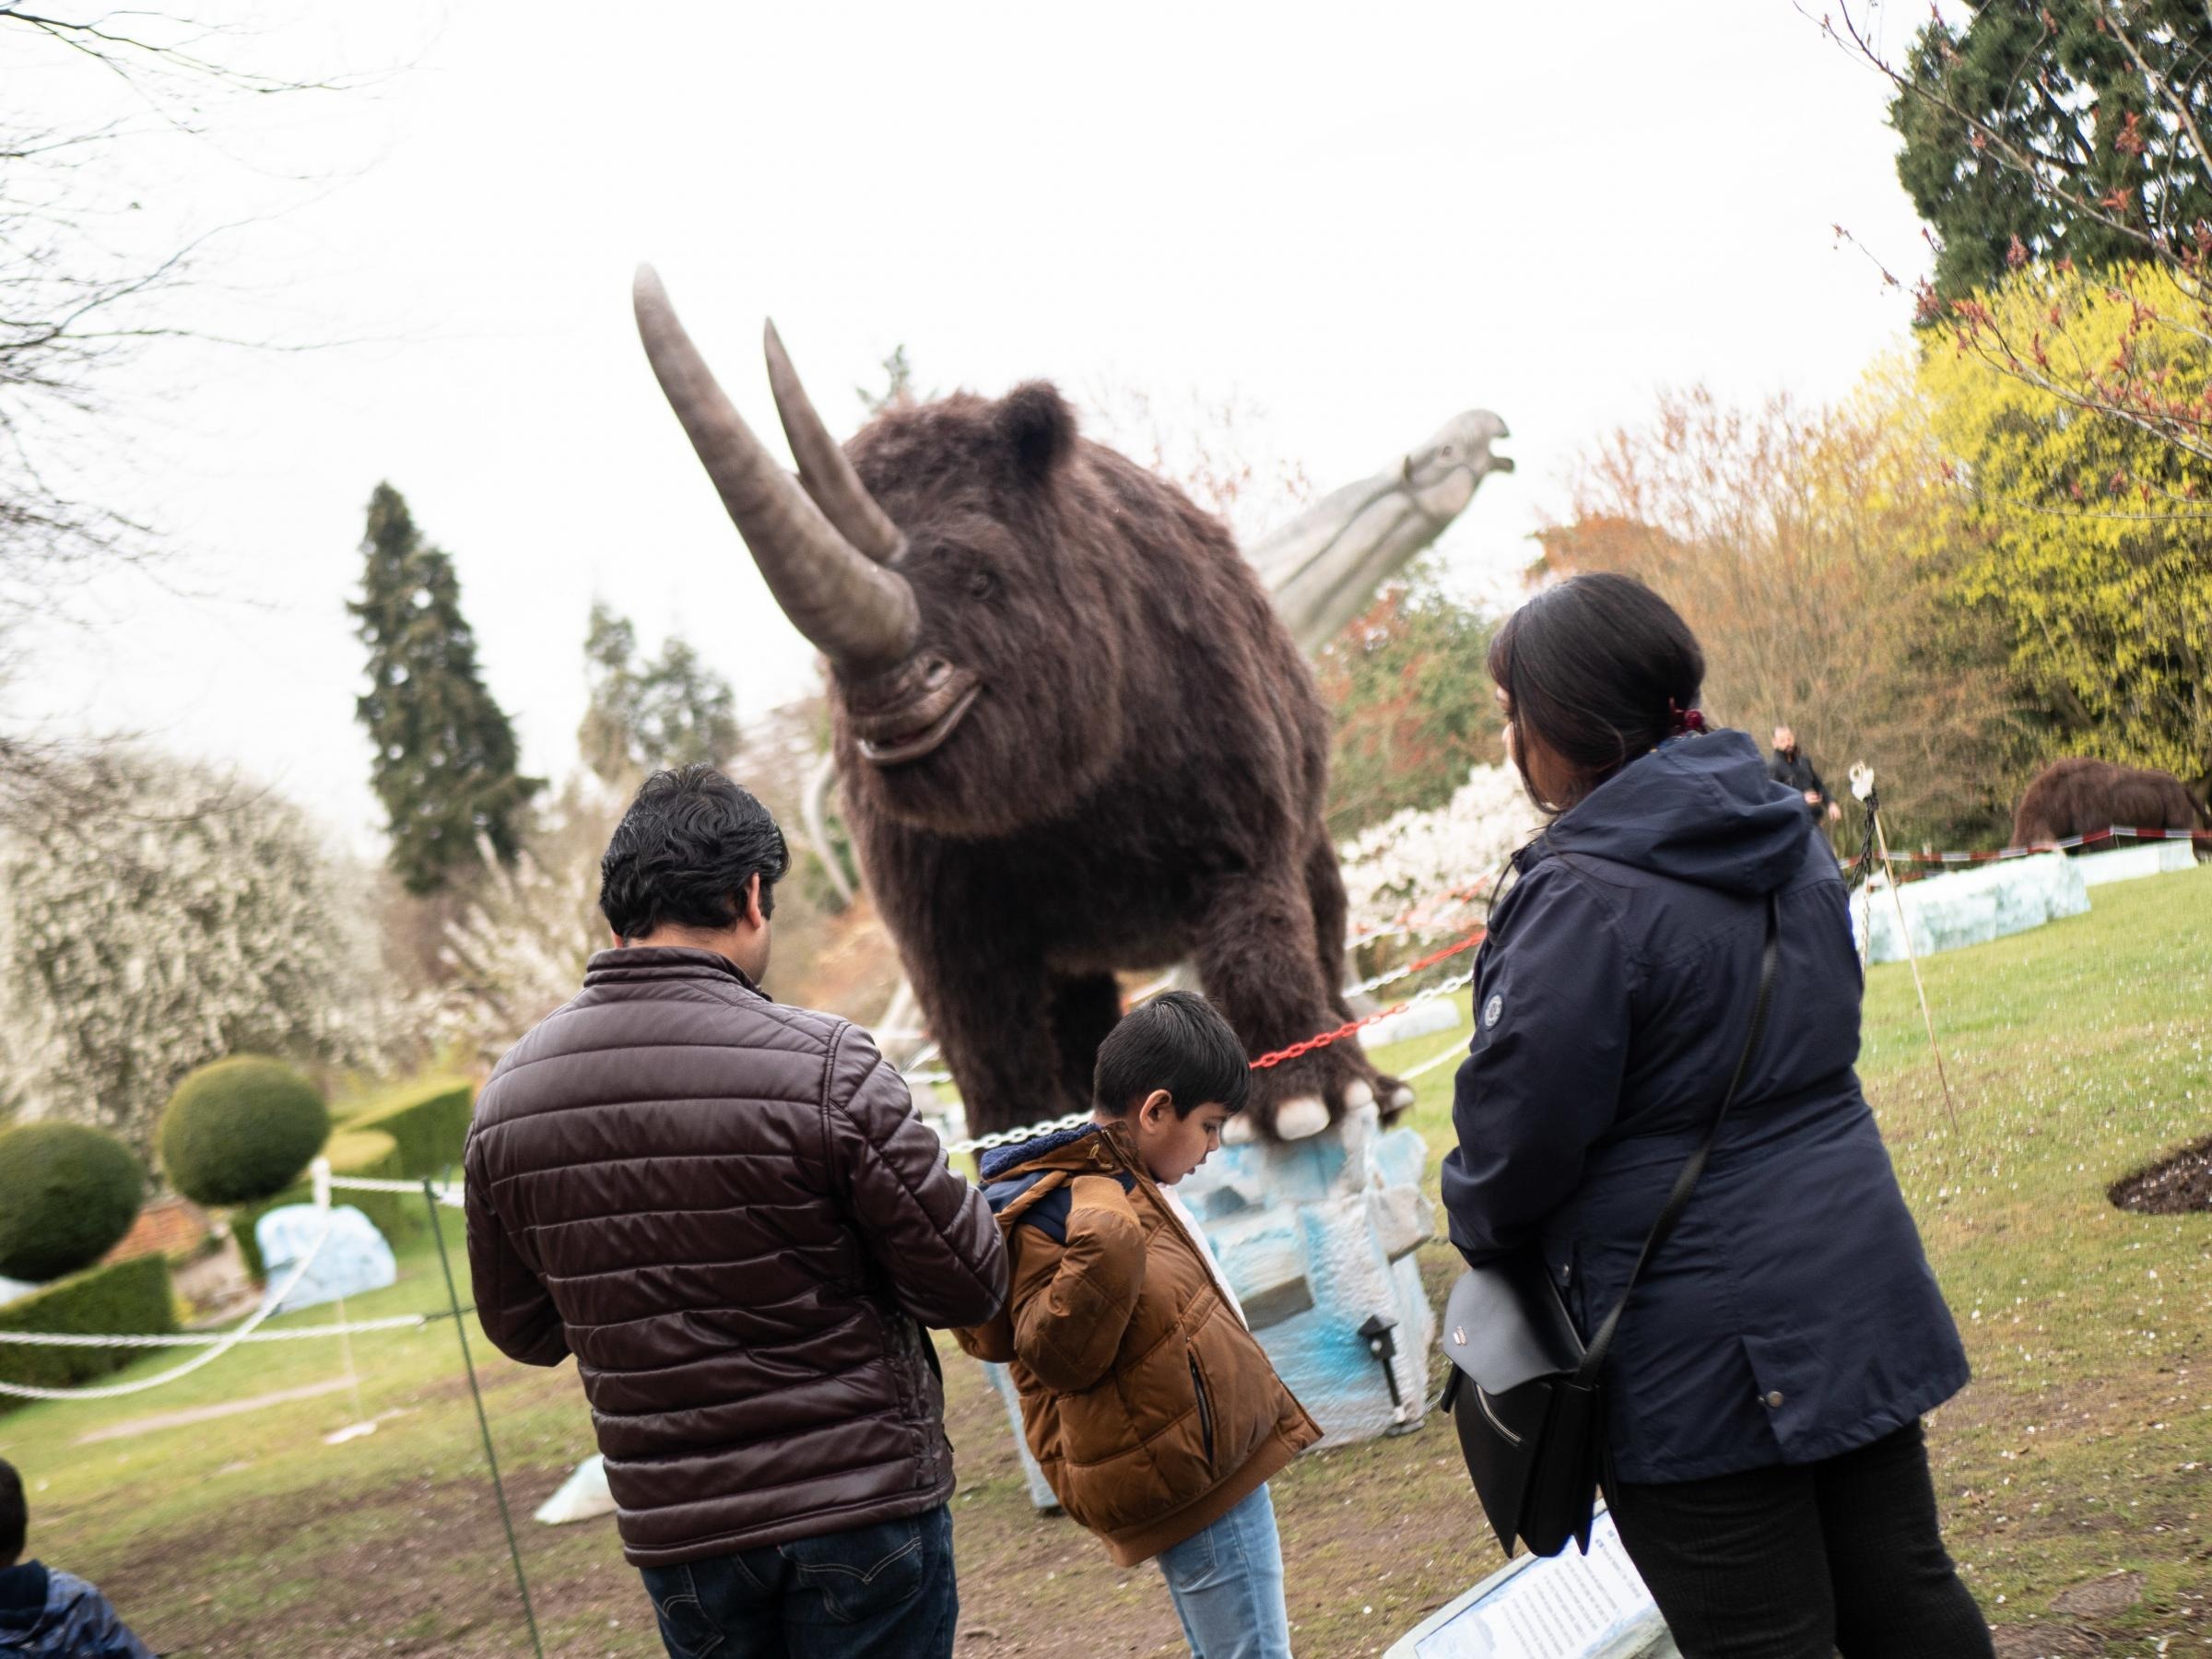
point(1154, 1415)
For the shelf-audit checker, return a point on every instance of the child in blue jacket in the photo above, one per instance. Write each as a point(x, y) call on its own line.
point(45, 1614)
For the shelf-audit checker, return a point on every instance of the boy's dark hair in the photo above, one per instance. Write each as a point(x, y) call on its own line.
point(1176, 1043)
point(14, 1520)
point(684, 851)
point(1598, 668)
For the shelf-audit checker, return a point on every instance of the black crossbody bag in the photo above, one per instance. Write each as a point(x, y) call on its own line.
point(1524, 1391)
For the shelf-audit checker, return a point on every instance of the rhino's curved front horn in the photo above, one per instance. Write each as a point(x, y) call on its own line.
point(823, 469)
point(861, 614)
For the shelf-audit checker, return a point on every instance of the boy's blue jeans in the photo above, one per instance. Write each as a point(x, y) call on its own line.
point(873, 1593)
point(1227, 1585)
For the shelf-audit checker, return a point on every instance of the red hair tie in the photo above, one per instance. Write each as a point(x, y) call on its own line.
point(1682, 720)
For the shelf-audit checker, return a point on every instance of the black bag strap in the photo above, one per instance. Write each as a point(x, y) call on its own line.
point(1594, 1357)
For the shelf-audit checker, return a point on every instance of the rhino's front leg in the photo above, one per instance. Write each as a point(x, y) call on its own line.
point(1260, 962)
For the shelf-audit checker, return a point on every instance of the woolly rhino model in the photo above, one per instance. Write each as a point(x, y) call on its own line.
point(1074, 736)
point(2081, 796)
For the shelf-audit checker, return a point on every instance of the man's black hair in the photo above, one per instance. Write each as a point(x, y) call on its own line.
point(14, 1520)
point(684, 853)
point(1176, 1043)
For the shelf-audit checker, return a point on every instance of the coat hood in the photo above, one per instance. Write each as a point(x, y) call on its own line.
point(1697, 808)
point(999, 1159)
point(24, 1605)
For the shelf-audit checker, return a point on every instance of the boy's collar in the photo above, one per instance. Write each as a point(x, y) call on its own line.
point(23, 1587)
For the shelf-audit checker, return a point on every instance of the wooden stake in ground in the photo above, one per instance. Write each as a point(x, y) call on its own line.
point(1881, 844)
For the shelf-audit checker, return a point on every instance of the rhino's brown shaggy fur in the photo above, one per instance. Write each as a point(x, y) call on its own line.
point(1139, 780)
point(2080, 797)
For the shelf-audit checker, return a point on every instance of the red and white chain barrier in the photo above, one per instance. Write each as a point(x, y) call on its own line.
point(1361, 987)
point(2094, 837)
point(985, 1143)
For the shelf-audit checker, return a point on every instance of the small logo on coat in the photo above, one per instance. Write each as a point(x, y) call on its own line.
point(1491, 1009)
point(1459, 1335)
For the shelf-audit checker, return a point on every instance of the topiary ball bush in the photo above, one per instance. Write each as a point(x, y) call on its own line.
point(241, 1130)
point(67, 1193)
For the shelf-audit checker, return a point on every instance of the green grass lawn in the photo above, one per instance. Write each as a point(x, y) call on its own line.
point(2073, 1473)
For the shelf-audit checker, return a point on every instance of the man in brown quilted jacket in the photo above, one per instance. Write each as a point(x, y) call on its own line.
point(1153, 1412)
point(727, 1211)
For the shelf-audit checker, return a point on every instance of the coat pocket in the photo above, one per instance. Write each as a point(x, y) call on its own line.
point(1205, 1406)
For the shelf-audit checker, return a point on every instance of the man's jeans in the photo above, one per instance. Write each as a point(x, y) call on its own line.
point(1227, 1585)
point(883, 1591)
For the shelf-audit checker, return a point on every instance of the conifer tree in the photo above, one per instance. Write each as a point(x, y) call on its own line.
point(445, 759)
point(647, 713)
point(2054, 129)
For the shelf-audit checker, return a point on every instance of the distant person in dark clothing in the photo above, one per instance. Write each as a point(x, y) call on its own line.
point(1792, 766)
point(45, 1614)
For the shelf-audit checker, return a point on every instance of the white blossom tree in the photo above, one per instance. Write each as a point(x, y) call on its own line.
point(179, 916)
point(517, 949)
point(1423, 870)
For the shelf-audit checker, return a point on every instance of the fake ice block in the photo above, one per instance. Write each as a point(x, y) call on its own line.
point(1969, 907)
point(1316, 1236)
point(355, 1257)
point(2127, 864)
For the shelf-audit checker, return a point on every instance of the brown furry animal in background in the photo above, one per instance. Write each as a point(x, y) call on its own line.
point(2081, 796)
point(1074, 736)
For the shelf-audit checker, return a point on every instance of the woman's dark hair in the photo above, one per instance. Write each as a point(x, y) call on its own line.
point(1176, 1043)
point(14, 1520)
point(1598, 669)
point(684, 853)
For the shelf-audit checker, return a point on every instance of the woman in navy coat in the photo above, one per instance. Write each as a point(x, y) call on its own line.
point(1765, 1389)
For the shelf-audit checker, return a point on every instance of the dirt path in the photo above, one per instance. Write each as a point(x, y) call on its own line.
point(202, 1414)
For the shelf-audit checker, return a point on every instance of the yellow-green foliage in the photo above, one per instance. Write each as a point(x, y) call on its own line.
point(430, 1121)
point(2074, 408)
point(365, 1152)
point(124, 1297)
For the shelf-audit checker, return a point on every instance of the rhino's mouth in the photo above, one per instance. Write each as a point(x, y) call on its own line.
point(899, 736)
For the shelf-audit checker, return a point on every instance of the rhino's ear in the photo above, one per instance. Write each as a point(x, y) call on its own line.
point(1038, 428)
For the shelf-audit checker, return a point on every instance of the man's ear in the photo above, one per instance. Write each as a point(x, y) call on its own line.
point(751, 907)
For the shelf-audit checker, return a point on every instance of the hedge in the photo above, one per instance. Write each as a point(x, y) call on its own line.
point(67, 1195)
point(370, 1152)
point(237, 1130)
point(430, 1121)
point(132, 1297)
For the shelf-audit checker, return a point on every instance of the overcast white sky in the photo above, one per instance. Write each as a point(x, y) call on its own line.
point(1358, 219)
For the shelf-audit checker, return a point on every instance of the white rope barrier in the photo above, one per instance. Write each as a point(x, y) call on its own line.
point(398, 1322)
point(222, 1344)
point(448, 1196)
point(1456, 1051)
